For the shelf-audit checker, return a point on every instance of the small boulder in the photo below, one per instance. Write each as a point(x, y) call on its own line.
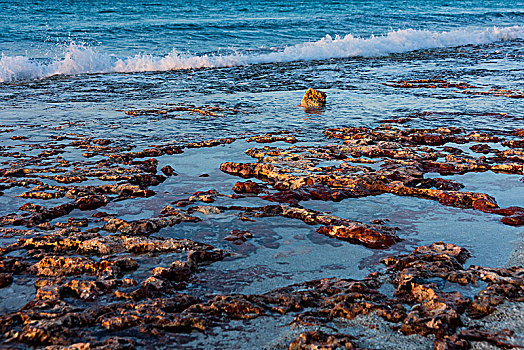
point(247, 187)
point(313, 98)
point(91, 202)
point(169, 171)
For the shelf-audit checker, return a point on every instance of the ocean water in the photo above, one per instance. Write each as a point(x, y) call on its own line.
point(76, 66)
point(69, 59)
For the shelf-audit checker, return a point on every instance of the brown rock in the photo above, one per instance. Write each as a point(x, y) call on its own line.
point(70, 266)
point(102, 142)
point(197, 257)
point(313, 98)
point(91, 202)
point(247, 187)
point(459, 253)
point(235, 307)
point(179, 271)
point(238, 236)
point(359, 234)
point(319, 340)
point(431, 318)
point(451, 343)
point(168, 171)
point(497, 338)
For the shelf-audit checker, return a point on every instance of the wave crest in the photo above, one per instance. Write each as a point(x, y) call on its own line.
point(79, 59)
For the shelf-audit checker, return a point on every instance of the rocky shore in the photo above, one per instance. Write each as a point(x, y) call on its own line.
point(90, 256)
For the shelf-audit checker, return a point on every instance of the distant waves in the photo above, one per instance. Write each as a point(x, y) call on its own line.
point(80, 59)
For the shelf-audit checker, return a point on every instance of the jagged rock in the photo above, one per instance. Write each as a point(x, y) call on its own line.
point(247, 187)
point(168, 171)
point(91, 202)
point(358, 233)
point(70, 266)
point(318, 340)
point(197, 257)
point(313, 98)
point(179, 271)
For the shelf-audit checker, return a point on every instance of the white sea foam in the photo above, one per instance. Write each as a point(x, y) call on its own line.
point(78, 59)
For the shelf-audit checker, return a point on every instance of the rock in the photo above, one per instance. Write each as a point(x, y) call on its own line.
point(451, 343)
point(320, 340)
point(198, 257)
point(204, 196)
point(234, 307)
point(238, 236)
point(269, 138)
point(168, 171)
point(5, 280)
point(313, 98)
point(102, 142)
point(57, 266)
point(91, 202)
point(247, 187)
point(498, 338)
point(210, 143)
point(148, 226)
point(432, 317)
point(90, 290)
point(179, 271)
point(358, 233)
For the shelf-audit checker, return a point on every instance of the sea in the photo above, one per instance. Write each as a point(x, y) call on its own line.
point(77, 67)
point(86, 60)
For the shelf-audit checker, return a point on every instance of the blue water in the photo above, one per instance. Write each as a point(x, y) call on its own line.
point(88, 61)
point(44, 38)
point(128, 27)
point(62, 59)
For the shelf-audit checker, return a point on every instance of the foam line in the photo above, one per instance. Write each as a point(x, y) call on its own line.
point(79, 59)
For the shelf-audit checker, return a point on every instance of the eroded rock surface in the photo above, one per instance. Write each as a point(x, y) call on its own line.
point(400, 157)
point(156, 306)
point(106, 275)
point(313, 98)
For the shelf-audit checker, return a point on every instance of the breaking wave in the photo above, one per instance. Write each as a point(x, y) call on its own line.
point(80, 59)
